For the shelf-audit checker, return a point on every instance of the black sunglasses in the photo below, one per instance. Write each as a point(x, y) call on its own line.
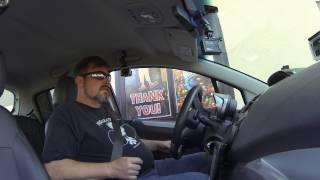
point(99, 75)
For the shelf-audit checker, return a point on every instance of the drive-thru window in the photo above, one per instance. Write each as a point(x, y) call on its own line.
point(158, 93)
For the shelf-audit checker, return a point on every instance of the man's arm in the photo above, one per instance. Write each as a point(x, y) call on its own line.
point(154, 145)
point(122, 168)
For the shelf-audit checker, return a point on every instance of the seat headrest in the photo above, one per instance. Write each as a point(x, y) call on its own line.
point(65, 91)
point(2, 73)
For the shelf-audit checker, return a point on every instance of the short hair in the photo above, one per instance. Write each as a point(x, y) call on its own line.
point(83, 65)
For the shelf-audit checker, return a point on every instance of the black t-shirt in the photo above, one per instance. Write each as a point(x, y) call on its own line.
point(79, 132)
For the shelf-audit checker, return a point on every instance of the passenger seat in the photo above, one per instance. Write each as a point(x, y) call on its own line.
point(34, 132)
point(17, 159)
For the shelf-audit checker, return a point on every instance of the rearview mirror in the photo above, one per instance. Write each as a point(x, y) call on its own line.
point(126, 72)
point(194, 17)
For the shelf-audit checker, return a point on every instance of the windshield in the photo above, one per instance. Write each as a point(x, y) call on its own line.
point(262, 36)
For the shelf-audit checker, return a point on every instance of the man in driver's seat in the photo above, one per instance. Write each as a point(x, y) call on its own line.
point(80, 138)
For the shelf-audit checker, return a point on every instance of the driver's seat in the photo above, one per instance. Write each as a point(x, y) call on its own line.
point(17, 158)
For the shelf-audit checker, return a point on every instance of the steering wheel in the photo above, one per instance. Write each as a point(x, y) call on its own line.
point(187, 118)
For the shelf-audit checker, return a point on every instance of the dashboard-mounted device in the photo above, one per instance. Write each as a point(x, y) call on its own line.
point(124, 69)
point(193, 17)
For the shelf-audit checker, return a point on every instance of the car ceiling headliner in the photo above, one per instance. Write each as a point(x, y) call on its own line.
point(38, 36)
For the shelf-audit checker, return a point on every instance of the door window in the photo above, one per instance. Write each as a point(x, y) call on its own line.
point(7, 100)
point(184, 81)
point(158, 93)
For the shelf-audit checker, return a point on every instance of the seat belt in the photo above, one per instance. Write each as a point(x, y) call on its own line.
point(117, 149)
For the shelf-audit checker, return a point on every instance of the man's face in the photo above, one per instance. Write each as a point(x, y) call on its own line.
point(96, 83)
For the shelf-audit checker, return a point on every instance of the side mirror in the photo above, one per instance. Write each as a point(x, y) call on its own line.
point(282, 74)
point(226, 105)
point(314, 42)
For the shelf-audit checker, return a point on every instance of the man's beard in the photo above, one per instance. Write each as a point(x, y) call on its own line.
point(102, 98)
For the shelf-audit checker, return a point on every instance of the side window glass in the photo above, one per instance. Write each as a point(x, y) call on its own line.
point(185, 80)
point(113, 82)
point(146, 92)
point(157, 93)
point(239, 98)
point(51, 92)
point(7, 100)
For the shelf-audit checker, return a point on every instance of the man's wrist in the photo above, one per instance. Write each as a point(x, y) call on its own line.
point(160, 145)
point(109, 170)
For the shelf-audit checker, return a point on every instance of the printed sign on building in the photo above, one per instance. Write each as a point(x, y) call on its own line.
point(147, 94)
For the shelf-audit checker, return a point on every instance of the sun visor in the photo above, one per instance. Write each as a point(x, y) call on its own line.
point(182, 44)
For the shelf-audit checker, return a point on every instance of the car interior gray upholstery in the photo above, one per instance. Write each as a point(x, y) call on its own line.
point(114, 30)
point(43, 102)
point(65, 90)
point(77, 39)
point(72, 32)
point(280, 114)
point(33, 131)
point(18, 159)
point(33, 127)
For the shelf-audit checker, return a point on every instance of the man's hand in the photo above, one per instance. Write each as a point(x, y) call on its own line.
point(164, 146)
point(154, 145)
point(125, 167)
